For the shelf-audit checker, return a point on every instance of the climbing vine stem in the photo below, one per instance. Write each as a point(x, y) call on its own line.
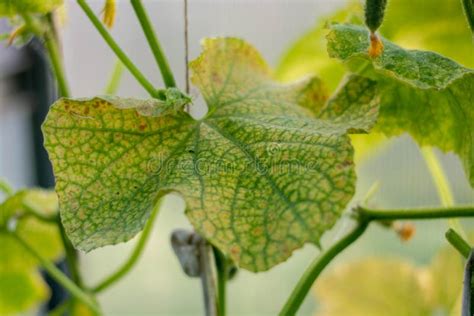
point(317, 266)
point(116, 49)
point(155, 46)
point(458, 243)
point(60, 277)
point(52, 48)
point(364, 217)
point(442, 184)
point(137, 252)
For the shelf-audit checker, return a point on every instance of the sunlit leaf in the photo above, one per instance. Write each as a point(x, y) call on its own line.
point(260, 174)
point(422, 93)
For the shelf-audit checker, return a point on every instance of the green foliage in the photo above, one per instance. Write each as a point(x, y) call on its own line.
point(21, 285)
point(436, 25)
point(11, 8)
point(422, 93)
point(20, 291)
point(261, 175)
point(392, 287)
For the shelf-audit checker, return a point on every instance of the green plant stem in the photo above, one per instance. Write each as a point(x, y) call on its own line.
point(222, 275)
point(317, 266)
point(364, 217)
point(115, 78)
point(128, 265)
point(59, 277)
point(116, 48)
point(442, 184)
point(468, 6)
point(368, 214)
point(53, 52)
point(155, 46)
point(71, 256)
point(458, 243)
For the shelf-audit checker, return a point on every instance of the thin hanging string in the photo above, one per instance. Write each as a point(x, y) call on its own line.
point(186, 46)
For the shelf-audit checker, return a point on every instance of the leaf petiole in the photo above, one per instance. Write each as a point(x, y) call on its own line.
point(364, 217)
point(60, 277)
point(129, 264)
point(458, 243)
point(116, 48)
point(155, 46)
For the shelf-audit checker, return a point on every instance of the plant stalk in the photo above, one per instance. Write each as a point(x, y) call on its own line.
point(317, 266)
point(71, 256)
point(222, 275)
point(155, 46)
point(52, 48)
point(62, 279)
point(116, 48)
point(115, 77)
point(414, 214)
point(364, 217)
point(136, 254)
point(458, 243)
point(442, 184)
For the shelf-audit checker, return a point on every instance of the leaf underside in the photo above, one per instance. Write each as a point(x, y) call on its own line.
point(260, 174)
point(425, 94)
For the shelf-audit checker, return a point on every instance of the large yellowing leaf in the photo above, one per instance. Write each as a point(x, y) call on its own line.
point(422, 93)
point(376, 286)
point(14, 7)
point(260, 174)
point(21, 287)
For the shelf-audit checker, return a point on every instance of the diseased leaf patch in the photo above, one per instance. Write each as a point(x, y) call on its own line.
point(260, 174)
point(422, 93)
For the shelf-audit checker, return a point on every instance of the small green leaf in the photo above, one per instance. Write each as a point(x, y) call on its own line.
point(422, 93)
point(44, 237)
point(14, 7)
point(260, 174)
point(21, 286)
point(20, 291)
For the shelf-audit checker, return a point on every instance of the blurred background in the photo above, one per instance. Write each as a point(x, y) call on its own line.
point(157, 286)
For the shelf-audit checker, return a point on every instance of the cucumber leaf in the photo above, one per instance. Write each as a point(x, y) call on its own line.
point(422, 93)
point(261, 174)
